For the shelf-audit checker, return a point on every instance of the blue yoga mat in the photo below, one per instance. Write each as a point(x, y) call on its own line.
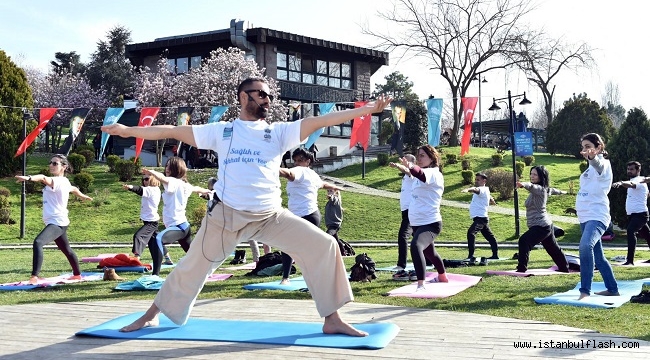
point(295, 284)
point(626, 289)
point(137, 269)
point(150, 282)
point(259, 332)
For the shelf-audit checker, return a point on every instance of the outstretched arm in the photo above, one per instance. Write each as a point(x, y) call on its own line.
point(158, 132)
point(287, 174)
point(36, 178)
point(328, 186)
point(473, 190)
point(158, 175)
point(401, 168)
point(75, 190)
point(626, 184)
point(311, 124)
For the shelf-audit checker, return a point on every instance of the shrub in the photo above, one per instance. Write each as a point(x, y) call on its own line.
point(583, 166)
point(126, 170)
point(497, 159)
point(111, 160)
point(519, 166)
point(451, 159)
point(197, 215)
point(88, 155)
point(386, 132)
point(83, 181)
point(468, 176)
point(4, 191)
point(466, 164)
point(501, 181)
point(101, 197)
point(78, 162)
point(5, 210)
point(382, 159)
point(85, 147)
point(528, 160)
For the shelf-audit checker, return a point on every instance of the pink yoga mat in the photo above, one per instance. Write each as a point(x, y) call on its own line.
point(58, 280)
point(96, 259)
point(218, 277)
point(456, 284)
point(249, 266)
point(531, 272)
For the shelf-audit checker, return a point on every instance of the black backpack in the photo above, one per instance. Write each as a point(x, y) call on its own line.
point(267, 260)
point(363, 269)
point(346, 249)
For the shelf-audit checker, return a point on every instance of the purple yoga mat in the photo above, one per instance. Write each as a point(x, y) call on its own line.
point(435, 290)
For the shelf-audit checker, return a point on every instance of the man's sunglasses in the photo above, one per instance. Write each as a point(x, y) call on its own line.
point(261, 93)
point(145, 179)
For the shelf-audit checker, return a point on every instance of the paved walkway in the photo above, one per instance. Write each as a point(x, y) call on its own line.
point(362, 189)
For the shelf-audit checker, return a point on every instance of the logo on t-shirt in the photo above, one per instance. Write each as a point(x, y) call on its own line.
point(227, 132)
point(267, 135)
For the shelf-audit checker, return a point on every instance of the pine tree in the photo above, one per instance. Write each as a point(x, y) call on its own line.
point(629, 144)
point(14, 92)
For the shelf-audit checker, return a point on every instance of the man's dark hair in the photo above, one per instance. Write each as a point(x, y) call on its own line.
point(637, 165)
point(482, 175)
point(242, 86)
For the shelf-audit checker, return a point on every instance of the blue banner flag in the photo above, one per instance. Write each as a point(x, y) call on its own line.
point(216, 113)
point(111, 117)
point(434, 112)
point(325, 108)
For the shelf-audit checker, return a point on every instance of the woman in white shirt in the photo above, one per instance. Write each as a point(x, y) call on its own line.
point(302, 190)
point(592, 206)
point(177, 192)
point(55, 214)
point(150, 193)
point(424, 211)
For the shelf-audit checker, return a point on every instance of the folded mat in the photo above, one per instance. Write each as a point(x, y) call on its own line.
point(153, 282)
point(138, 269)
point(531, 272)
point(297, 283)
point(246, 331)
point(626, 289)
point(96, 259)
point(409, 267)
point(456, 284)
point(51, 281)
point(249, 266)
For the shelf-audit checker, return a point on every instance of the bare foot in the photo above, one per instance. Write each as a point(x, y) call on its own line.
point(583, 296)
point(607, 293)
point(335, 325)
point(141, 323)
point(442, 278)
point(75, 277)
point(285, 282)
point(33, 280)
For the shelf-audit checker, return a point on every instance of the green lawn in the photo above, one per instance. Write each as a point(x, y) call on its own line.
point(366, 218)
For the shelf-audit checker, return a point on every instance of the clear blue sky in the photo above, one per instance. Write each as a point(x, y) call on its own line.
point(32, 31)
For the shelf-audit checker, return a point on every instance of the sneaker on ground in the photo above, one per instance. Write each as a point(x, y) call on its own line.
point(401, 276)
point(413, 276)
point(470, 259)
point(493, 257)
point(168, 262)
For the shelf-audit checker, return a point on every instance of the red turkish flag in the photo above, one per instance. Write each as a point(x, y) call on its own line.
point(45, 115)
point(147, 116)
point(360, 128)
point(468, 105)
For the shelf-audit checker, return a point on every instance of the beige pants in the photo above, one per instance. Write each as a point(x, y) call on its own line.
point(316, 253)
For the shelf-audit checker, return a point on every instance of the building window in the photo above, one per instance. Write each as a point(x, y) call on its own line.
point(307, 69)
point(195, 62)
point(182, 65)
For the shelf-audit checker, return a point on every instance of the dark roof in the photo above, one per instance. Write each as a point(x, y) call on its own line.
point(210, 40)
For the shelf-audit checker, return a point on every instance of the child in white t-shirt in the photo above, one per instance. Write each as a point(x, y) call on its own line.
point(150, 193)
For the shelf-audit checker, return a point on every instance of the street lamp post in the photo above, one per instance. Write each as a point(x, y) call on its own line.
point(23, 194)
point(494, 106)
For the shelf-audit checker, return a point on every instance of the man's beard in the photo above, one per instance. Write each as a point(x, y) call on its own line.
point(259, 111)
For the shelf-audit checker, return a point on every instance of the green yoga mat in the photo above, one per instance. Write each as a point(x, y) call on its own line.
point(247, 331)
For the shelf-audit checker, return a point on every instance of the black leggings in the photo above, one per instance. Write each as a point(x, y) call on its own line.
point(546, 236)
point(637, 222)
point(148, 231)
point(172, 234)
point(313, 218)
point(481, 224)
point(60, 237)
point(422, 248)
point(403, 235)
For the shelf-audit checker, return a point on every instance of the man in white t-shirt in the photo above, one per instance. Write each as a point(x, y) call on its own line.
point(636, 207)
point(478, 212)
point(249, 205)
